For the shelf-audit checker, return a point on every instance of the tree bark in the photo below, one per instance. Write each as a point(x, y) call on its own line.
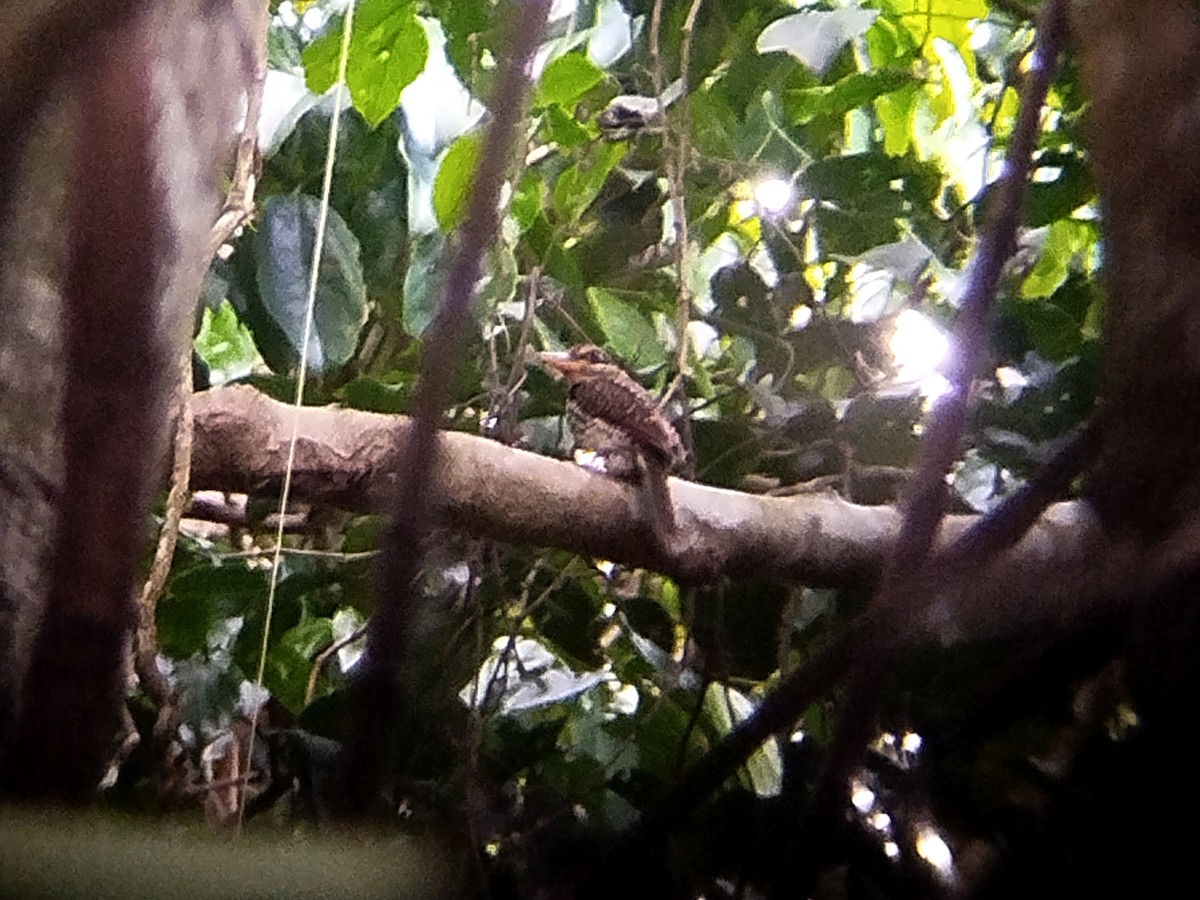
point(106, 210)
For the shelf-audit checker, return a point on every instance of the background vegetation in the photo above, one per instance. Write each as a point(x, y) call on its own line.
point(769, 239)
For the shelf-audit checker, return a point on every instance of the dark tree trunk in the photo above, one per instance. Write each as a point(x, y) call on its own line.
point(106, 209)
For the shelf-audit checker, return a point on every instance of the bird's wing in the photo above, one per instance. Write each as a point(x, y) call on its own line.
point(627, 405)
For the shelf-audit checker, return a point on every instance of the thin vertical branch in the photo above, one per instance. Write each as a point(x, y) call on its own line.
point(677, 153)
point(676, 177)
point(899, 594)
point(239, 201)
point(145, 660)
point(379, 695)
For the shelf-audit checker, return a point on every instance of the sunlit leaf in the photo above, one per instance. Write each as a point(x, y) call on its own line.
point(226, 345)
point(1064, 241)
point(456, 175)
point(947, 19)
point(388, 48)
point(566, 79)
point(815, 38)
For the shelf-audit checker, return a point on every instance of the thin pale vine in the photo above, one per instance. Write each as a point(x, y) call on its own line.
point(238, 208)
point(301, 374)
point(322, 659)
point(153, 682)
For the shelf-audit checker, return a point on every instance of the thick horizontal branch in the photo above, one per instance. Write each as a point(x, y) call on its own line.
point(344, 457)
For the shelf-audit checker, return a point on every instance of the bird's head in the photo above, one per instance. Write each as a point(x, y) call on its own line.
point(577, 363)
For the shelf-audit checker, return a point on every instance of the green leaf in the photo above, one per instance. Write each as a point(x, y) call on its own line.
point(423, 283)
point(579, 185)
point(321, 57)
point(377, 395)
point(226, 345)
point(452, 185)
point(868, 194)
point(290, 661)
point(566, 79)
point(1048, 201)
point(388, 49)
point(562, 128)
point(896, 112)
point(1066, 239)
point(727, 708)
point(528, 200)
point(852, 92)
point(499, 282)
point(1052, 331)
point(200, 598)
point(284, 265)
point(627, 330)
point(948, 19)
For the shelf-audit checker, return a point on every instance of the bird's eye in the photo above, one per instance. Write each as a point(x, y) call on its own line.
point(593, 355)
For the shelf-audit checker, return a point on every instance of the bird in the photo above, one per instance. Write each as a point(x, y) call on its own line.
point(618, 420)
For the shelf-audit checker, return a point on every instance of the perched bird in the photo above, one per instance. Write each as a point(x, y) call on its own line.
point(616, 418)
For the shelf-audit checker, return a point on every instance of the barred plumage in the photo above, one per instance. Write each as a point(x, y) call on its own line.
point(612, 415)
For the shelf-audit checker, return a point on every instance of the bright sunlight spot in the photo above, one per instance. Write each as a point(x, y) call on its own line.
point(314, 18)
point(981, 35)
point(773, 196)
point(625, 700)
point(918, 348)
point(862, 797)
point(743, 210)
point(933, 849)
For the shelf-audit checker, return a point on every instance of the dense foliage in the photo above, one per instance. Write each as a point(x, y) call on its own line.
point(828, 168)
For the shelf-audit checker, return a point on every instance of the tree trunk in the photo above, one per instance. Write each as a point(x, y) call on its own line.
point(106, 207)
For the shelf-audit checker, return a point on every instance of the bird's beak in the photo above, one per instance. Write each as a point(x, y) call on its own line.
point(558, 363)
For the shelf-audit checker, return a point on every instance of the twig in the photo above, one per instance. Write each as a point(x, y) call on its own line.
point(322, 659)
point(676, 150)
point(153, 683)
point(676, 172)
point(239, 202)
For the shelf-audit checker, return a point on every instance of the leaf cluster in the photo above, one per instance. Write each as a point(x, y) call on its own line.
point(577, 685)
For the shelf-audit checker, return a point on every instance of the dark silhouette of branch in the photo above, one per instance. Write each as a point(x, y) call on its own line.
point(379, 692)
point(1003, 526)
point(899, 595)
point(867, 648)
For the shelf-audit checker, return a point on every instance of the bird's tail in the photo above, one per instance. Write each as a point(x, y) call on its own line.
point(657, 495)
